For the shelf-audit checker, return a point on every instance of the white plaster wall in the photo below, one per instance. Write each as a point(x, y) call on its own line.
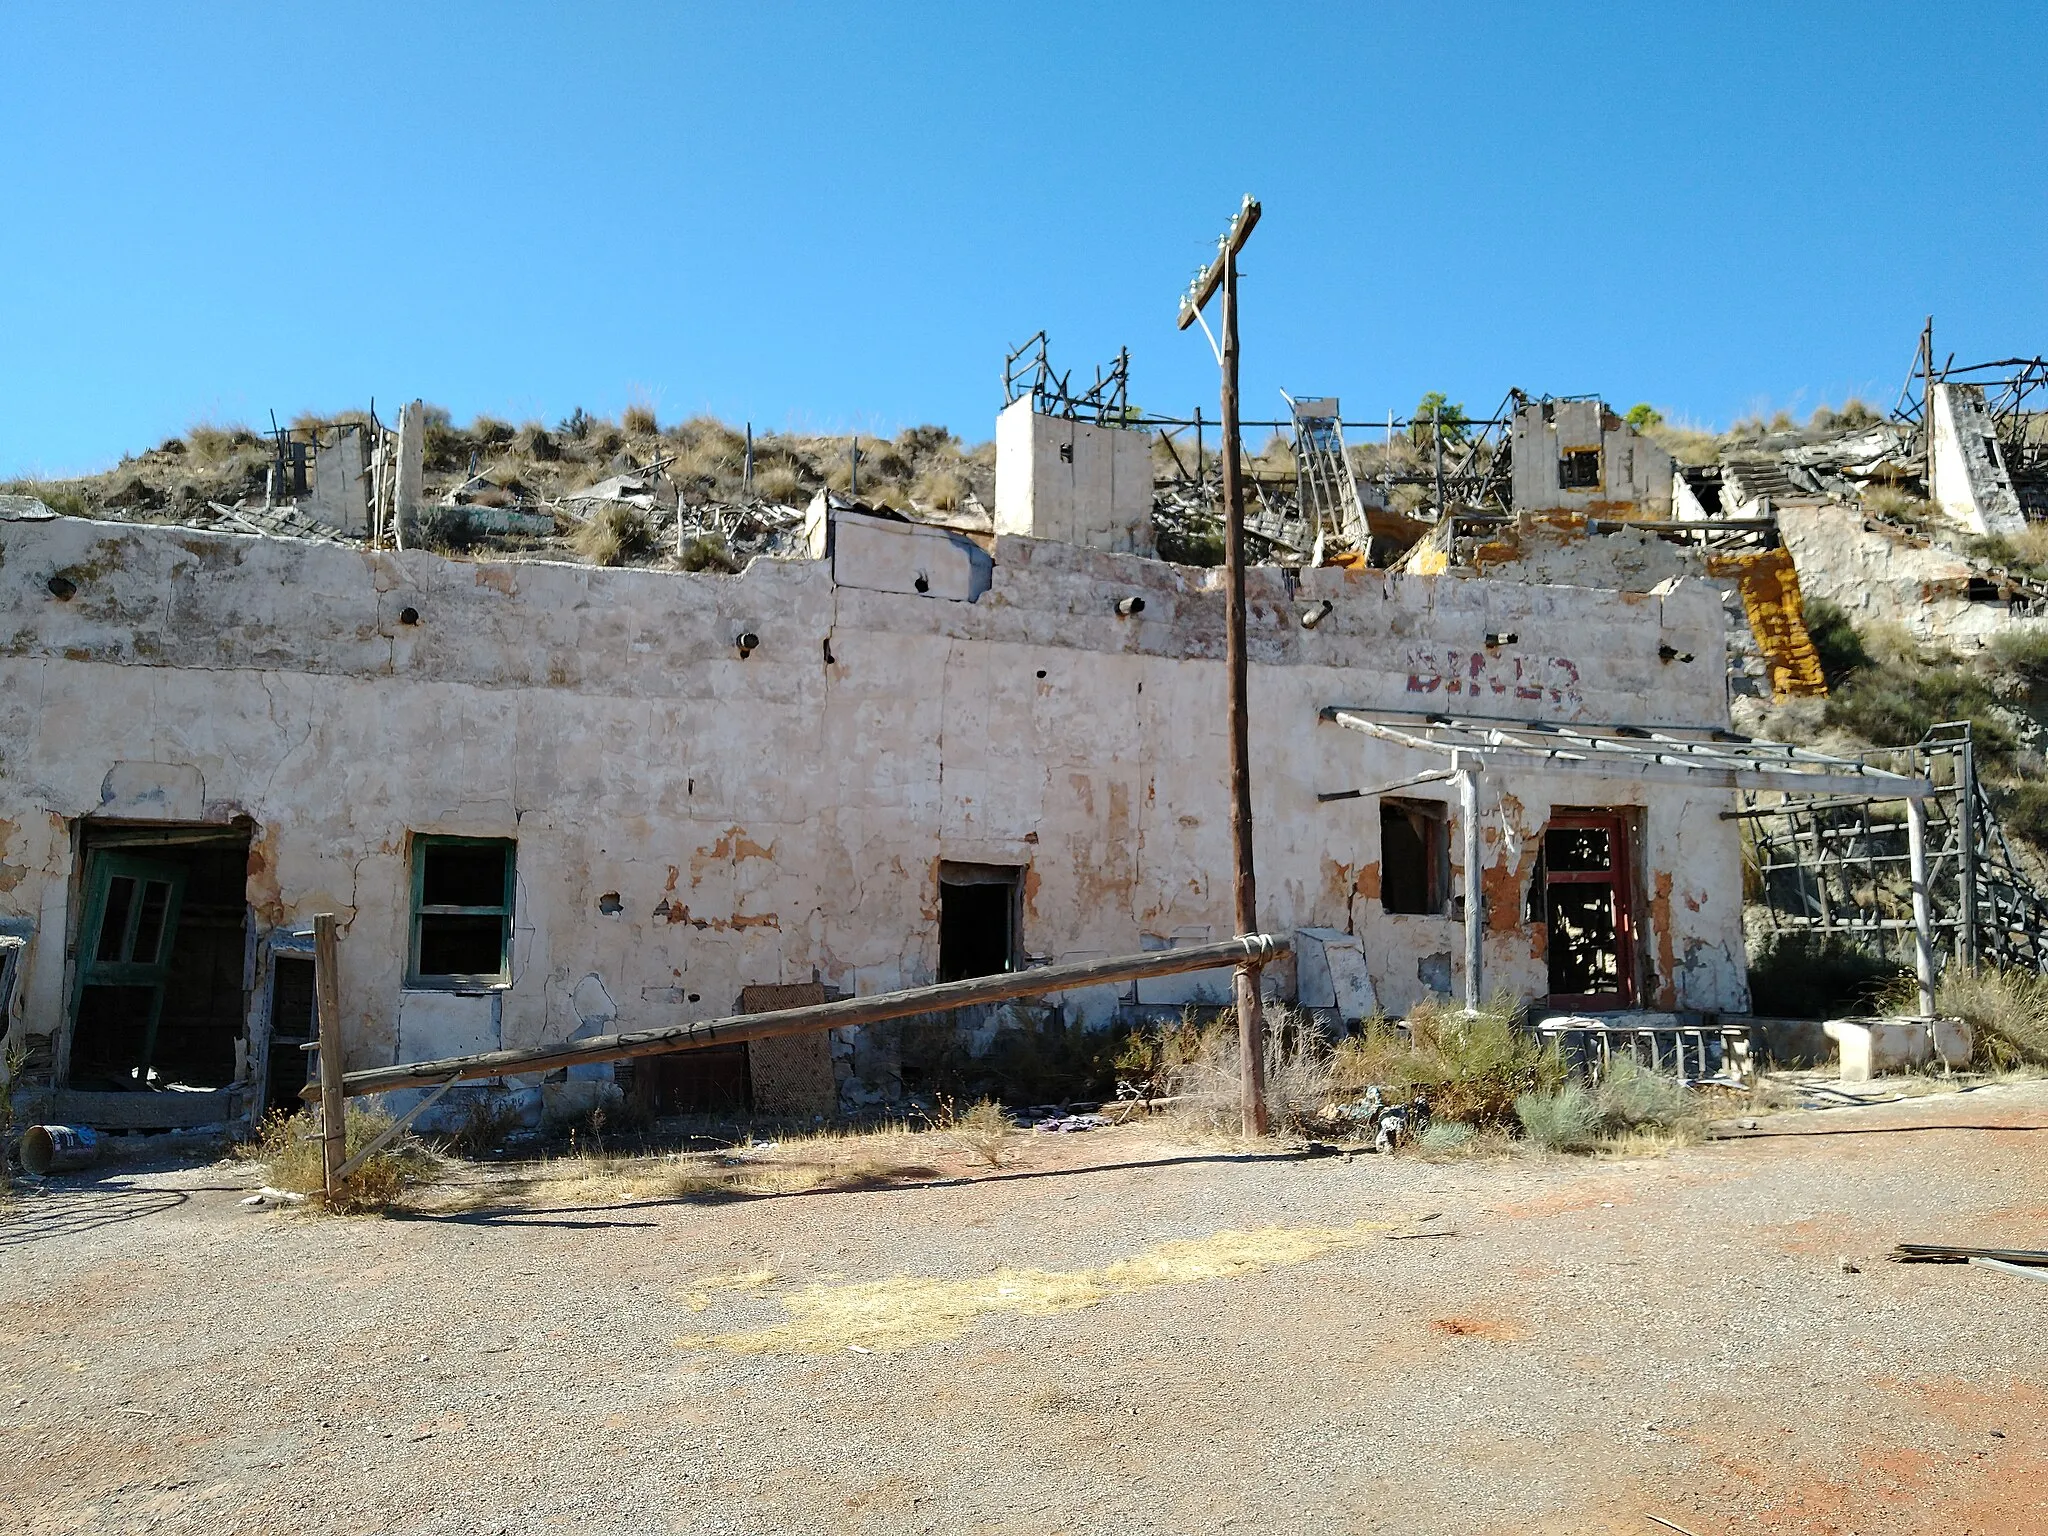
point(1970, 480)
point(779, 818)
point(1099, 495)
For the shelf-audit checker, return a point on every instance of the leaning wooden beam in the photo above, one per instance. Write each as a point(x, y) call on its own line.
point(1250, 949)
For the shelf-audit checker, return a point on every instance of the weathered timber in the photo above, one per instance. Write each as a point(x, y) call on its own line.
point(327, 998)
point(1252, 949)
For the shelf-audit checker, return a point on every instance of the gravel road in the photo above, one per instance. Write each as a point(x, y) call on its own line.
point(1067, 1345)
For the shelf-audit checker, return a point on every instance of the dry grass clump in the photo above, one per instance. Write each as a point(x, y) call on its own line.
point(2007, 1011)
point(778, 482)
point(615, 535)
point(639, 421)
point(286, 1144)
point(819, 1162)
point(1901, 507)
point(708, 552)
point(211, 441)
point(984, 1130)
point(942, 489)
point(1198, 1068)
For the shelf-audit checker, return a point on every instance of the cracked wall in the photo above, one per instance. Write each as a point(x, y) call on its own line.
point(691, 821)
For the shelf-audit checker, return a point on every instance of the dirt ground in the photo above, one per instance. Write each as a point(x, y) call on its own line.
point(1112, 1333)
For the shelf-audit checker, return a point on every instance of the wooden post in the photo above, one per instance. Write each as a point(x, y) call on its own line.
point(327, 997)
point(1475, 906)
point(1923, 917)
point(1927, 402)
point(1251, 1017)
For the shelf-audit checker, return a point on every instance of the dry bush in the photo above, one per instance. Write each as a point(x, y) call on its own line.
point(1888, 502)
point(941, 489)
point(213, 441)
point(778, 482)
point(639, 421)
point(293, 1155)
point(2007, 1011)
point(1471, 1066)
point(708, 552)
point(1199, 1070)
point(62, 497)
point(536, 442)
point(613, 536)
point(490, 432)
point(983, 1129)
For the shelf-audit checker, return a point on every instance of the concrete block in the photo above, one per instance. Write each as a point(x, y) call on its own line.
point(1953, 1041)
point(1873, 1047)
point(1330, 972)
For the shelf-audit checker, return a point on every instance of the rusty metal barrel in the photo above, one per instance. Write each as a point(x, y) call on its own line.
point(58, 1148)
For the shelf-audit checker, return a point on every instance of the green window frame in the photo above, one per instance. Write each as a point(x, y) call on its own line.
point(461, 912)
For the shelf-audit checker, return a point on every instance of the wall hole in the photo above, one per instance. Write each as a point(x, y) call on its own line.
point(408, 615)
point(609, 904)
point(1041, 672)
point(63, 588)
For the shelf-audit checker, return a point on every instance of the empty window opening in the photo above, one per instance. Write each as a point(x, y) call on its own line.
point(1578, 469)
point(158, 998)
point(978, 919)
point(462, 910)
point(1415, 857)
point(291, 1026)
point(1585, 878)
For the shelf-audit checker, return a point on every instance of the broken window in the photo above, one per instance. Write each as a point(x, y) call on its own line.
point(461, 910)
point(1586, 878)
point(979, 917)
point(1415, 857)
point(1578, 469)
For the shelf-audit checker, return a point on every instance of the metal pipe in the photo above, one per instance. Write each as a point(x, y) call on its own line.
point(1923, 920)
point(1256, 948)
point(1475, 915)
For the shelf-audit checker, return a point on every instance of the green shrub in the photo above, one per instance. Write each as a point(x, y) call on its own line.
point(2025, 814)
point(1803, 975)
point(1561, 1119)
point(1835, 641)
point(707, 552)
point(1632, 1096)
point(1471, 1067)
point(2022, 654)
point(1895, 704)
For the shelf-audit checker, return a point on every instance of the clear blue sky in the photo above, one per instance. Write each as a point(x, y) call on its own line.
point(831, 218)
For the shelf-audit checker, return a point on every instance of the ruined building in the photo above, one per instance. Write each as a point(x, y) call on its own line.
point(547, 800)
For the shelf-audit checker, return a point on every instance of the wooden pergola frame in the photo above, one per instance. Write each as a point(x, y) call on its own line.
point(1695, 759)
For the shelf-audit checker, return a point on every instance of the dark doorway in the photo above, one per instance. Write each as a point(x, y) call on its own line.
point(158, 998)
point(1586, 879)
point(978, 919)
point(710, 1081)
point(291, 1029)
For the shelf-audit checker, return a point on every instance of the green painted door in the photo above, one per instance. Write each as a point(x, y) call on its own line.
point(125, 947)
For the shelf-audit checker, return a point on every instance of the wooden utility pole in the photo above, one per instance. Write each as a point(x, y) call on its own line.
point(327, 998)
point(1251, 1021)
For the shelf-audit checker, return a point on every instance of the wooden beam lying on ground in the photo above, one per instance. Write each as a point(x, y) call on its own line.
point(1251, 949)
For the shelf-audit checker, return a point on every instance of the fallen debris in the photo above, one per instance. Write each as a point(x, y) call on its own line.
point(2031, 1272)
point(1944, 1253)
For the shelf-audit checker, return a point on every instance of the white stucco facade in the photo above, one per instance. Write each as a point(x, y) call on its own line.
point(691, 819)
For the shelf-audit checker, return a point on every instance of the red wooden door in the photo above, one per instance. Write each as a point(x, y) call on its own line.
point(1587, 878)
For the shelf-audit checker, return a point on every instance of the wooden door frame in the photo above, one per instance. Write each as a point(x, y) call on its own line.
point(1620, 877)
point(102, 867)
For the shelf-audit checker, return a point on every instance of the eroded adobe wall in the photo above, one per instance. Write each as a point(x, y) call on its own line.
point(781, 816)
